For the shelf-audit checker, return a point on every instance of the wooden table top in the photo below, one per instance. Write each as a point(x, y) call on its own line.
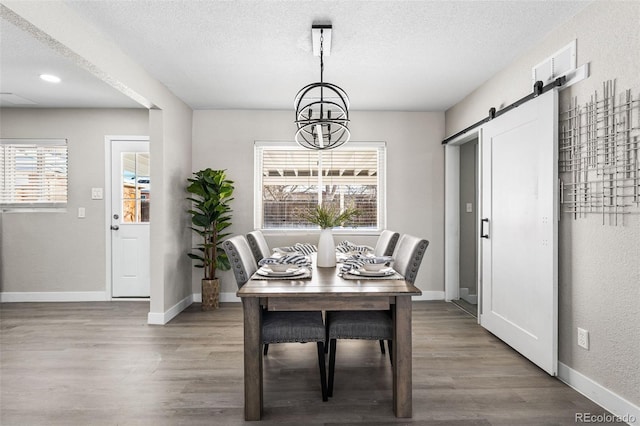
point(326, 282)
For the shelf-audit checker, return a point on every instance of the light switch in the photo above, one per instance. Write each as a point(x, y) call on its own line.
point(469, 207)
point(81, 212)
point(96, 193)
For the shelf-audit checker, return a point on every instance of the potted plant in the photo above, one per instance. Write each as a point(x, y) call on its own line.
point(327, 217)
point(210, 216)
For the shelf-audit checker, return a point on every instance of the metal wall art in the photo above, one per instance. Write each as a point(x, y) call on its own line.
point(600, 155)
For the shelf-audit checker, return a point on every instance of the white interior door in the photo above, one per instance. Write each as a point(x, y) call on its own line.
point(130, 214)
point(519, 184)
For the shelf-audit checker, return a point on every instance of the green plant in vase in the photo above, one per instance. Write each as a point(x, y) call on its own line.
point(327, 217)
point(210, 217)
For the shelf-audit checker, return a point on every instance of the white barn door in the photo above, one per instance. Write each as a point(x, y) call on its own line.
point(519, 228)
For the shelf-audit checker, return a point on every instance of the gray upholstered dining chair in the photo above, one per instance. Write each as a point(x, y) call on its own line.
point(374, 325)
point(278, 327)
point(386, 243)
point(258, 244)
point(384, 247)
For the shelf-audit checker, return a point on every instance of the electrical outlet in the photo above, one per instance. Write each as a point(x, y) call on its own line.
point(81, 212)
point(469, 208)
point(583, 338)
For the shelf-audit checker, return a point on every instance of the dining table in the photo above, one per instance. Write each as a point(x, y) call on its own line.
point(325, 288)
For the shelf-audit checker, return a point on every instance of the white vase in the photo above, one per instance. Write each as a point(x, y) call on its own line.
point(326, 250)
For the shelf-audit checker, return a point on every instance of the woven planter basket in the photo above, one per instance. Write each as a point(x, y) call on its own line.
point(210, 294)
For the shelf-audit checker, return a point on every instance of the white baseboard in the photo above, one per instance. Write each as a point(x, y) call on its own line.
point(161, 318)
point(626, 410)
point(229, 297)
point(469, 298)
point(225, 297)
point(429, 295)
point(53, 296)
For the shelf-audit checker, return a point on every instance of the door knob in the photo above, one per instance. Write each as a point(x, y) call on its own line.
point(114, 227)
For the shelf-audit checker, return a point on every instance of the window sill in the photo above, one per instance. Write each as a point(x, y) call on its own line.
point(33, 209)
point(294, 232)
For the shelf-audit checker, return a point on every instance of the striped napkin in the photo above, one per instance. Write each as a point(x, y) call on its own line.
point(356, 261)
point(289, 259)
point(303, 248)
point(347, 247)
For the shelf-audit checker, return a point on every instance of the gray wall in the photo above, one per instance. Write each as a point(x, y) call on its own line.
point(170, 237)
point(415, 171)
point(599, 268)
point(169, 128)
point(468, 233)
point(58, 252)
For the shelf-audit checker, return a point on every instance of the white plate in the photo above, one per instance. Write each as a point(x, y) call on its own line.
point(383, 273)
point(292, 272)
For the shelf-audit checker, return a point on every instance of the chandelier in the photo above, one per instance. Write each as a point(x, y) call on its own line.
point(322, 109)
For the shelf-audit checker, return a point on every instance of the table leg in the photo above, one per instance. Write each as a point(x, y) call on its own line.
point(402, 380)
point(252, 359)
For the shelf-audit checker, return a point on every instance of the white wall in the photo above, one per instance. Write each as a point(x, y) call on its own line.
point(415, 174)
point(59, 252)
point(599, 268)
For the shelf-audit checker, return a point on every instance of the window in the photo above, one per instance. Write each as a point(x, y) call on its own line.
point(136, 187)
point(290, 179)
point(34, 173)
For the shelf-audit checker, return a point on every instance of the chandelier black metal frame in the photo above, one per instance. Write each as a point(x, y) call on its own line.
point(322, 109)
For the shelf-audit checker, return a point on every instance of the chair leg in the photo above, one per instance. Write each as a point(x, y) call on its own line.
point(381, 346)
point(332, 365)
point(390, 345)
point(323, 371)
point(266, 349)
point(326, 340)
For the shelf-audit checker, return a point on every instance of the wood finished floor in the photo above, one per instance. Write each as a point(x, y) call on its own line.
point(101, 364)
point(466, 306)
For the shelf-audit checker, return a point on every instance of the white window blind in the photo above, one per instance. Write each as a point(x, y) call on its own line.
point(291, 179)
point(34, 173)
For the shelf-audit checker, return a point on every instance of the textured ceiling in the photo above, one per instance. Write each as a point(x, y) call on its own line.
point(23, 59)
point(387, 55)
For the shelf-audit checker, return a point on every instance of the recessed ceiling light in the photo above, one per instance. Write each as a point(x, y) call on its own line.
point(50, 78)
